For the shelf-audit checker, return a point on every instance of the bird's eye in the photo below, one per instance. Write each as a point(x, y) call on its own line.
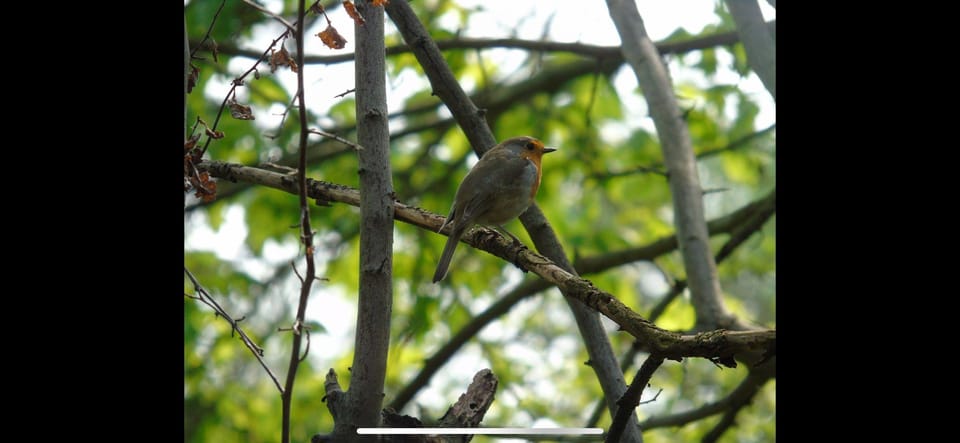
point(530, 146)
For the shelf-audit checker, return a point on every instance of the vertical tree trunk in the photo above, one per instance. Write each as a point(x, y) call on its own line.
point(365, 395)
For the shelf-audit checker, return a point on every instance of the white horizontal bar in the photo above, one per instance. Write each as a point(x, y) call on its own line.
point(480, 431)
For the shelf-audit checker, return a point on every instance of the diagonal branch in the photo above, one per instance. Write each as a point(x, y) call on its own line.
point(718, 345)
point(737, 399)
point(761, 209)
point(472, 121)
point(678, 156)
point(206, 299)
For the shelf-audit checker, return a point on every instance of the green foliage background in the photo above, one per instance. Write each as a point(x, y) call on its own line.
point(598, 192)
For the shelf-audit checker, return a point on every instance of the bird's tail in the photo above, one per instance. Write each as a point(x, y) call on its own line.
point(447, 254)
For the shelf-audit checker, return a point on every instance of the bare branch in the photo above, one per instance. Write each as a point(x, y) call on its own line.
point(678, 156)
point(276, 17)
point(306, 236)
point(208, 300)
point(763, 208)
point(758, 41)
point(375, 301)
point(209, 30)
point(472, 120)
point(472, 405)
point(349, 143)
point(739, 397)
point(631, 399)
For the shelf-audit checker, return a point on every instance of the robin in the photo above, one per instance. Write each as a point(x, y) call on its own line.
point(498, 189)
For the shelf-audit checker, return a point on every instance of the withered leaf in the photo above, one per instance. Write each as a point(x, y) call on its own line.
point(281, 57)
point(332, 38)
point(216, 135)
point(317, 8)
point(240, 112)
point(352, 12)
point(380, 2)
point(192, 79)
point(191, 142)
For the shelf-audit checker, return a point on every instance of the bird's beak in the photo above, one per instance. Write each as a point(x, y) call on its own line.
point(548, 150)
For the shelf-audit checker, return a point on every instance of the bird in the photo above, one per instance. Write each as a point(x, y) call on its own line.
point(499, 188)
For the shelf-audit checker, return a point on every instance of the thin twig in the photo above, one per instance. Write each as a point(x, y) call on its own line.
point(737, 399)
point(283, 118)
point(206, 299)
point(271, 14)
point(209, 29)
point(706, 153)
point(337, 138)
point(306, 236)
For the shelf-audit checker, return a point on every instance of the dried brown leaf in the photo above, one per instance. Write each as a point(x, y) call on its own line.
point(206, 189)
point(380, 2)
point(190, 143)
point(192, 79)
point(317, 8)
point(352, 12)
point(240, 112)
point(281, 57)
point(216, 135)
point(332, 38)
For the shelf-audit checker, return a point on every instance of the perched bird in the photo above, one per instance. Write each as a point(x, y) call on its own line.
point(498, 189)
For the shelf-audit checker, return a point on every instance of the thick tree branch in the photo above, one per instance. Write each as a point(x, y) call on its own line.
point(324, 193)
point(717, 345)
point(681, 166)
point(758, 41)
point(471, 120)
point(372, 343)
point(472, 405)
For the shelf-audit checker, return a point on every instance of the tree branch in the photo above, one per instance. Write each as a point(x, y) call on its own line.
point(737, 399)
point(205, 298)
point(631, 399)
point(681, 166)
point(328, 192)
point(209, 29)
point(471, 121)
point(714, 345)
point(758, 41)
point(306, 236)
point(372, 342)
